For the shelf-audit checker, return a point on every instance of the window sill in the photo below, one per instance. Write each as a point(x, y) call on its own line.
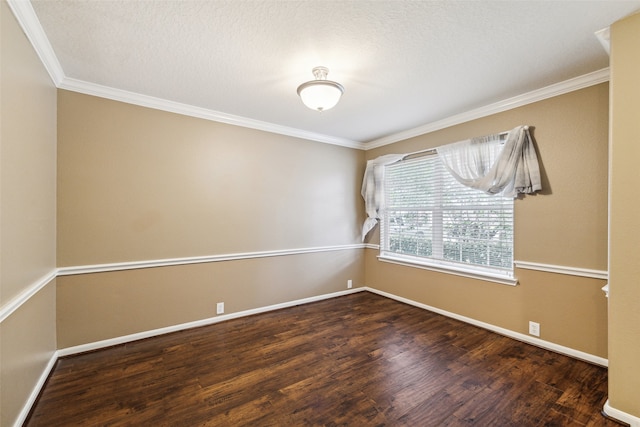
point(480, 275)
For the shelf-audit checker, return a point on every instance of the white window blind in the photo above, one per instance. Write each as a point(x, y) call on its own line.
point(432, 219)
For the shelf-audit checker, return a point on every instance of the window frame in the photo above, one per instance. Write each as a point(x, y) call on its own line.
point(474, 271)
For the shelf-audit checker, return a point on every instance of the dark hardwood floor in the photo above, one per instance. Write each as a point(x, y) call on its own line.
point(357, 360)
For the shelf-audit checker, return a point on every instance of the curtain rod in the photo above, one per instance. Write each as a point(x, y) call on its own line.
point(428, 151)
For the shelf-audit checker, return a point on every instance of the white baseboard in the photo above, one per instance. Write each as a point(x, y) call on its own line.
point(204, 322)
point(632, 420)
point(155, 332)
point(502, 331)
point(209, 321)
point(24, 413)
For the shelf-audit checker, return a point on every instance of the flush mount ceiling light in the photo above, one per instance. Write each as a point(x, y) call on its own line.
point(320, 94)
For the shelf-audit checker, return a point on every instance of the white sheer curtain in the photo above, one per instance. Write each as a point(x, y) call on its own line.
point(489, 165)
point(372, 189)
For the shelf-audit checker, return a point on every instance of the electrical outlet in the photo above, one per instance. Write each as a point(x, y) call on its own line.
point(534, 329)
point(349, 284)
point(220, 308)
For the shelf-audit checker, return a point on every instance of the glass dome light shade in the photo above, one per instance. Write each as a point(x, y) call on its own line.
point(320, 95)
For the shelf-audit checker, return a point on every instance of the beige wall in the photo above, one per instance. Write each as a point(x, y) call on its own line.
point(137, 184)
point(565, 225)
point(27, 216)
point(624, 311)
point(95, 307)
point(28, 163)
point(28, 344)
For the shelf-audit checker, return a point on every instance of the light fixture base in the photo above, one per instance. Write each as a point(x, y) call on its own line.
point(320, 73)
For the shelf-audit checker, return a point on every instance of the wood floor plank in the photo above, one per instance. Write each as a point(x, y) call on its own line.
point(356, 360)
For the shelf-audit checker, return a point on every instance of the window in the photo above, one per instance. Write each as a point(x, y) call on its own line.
point(432, 220)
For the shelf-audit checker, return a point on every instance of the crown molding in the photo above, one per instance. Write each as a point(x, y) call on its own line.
point(604, 37)
point(198, 112)
point(551, 91)
point(28, 20)
point(561, 88)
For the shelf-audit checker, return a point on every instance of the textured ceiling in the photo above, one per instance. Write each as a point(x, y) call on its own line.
point(404, 64)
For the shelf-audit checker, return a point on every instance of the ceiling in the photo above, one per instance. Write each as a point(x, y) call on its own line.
point(404, 64)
